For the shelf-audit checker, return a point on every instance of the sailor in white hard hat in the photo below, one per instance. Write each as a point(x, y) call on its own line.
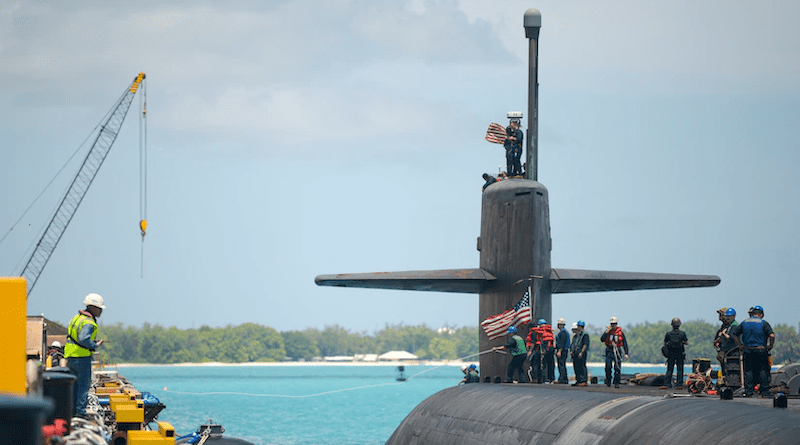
point(562, 351)
point(81, 343)
point(55, 353)
point(616, 344)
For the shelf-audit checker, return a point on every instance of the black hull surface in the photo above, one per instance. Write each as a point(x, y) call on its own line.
point(534, 414)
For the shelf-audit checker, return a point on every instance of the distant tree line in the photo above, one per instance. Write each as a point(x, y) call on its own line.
point(250, 342)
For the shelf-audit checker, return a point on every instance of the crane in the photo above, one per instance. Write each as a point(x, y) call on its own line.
point(109, 129)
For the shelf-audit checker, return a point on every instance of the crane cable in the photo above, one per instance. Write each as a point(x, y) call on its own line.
point(143, 169)
point(61, 170)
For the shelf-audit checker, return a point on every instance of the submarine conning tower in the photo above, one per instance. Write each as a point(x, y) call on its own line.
point(514, 242)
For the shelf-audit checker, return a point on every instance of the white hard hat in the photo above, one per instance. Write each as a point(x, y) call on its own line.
point(463, 368)
point(613, 319)
point(94, 300)
point(56, 344)
point(575, 325)
point(561, 321)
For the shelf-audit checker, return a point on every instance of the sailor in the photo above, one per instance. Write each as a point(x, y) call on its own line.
point(543, 351)
point(675, 342)
point(489, 180)
point(756, 338)
point(55, 353)
point(472, 374)
point(513, 144)
point(726, 346)
point(81, 343)
point(562, 350)
point(516, 346)
point(717, 337)
point(465, 371)
point(616, 345)
point(579, 348)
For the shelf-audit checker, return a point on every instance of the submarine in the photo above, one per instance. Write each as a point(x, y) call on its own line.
point(515, 247)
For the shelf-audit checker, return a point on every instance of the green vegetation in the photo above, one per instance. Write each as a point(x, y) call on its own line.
point(250, 342)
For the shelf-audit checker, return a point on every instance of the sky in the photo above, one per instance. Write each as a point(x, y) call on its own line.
point(289, 139)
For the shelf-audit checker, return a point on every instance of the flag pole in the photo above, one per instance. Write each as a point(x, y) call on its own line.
point(533, 296)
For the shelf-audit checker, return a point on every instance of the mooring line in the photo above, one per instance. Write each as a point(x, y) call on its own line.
point(234, 393)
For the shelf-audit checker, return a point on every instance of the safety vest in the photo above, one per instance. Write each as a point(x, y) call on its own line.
point(614, 338)
point(753, 332)
point(72, 348)
point(546, 334)
point(473, 377)
point(577, 343)
point(520, 347)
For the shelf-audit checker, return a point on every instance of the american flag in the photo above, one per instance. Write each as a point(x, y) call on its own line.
point(496, 133)
point(497, 325)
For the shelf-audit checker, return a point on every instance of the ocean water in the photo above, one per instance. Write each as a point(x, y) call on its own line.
point(292, 405)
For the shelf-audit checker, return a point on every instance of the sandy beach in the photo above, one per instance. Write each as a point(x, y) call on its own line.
point(358, 363)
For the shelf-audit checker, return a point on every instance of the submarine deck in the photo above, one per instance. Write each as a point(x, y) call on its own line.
point(793, 401)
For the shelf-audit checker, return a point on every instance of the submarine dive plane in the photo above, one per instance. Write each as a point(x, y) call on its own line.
point(514, 247)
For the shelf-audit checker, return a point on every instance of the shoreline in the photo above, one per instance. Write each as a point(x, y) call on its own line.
point(349, 363)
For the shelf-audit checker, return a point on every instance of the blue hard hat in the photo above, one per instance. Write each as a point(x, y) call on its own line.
point(581, 323)
point(541, 321)
point(512, 329)
point(758, 308)
point(730, 311)
point(472, 366)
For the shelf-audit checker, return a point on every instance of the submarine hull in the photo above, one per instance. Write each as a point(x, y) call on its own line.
point(531, 414)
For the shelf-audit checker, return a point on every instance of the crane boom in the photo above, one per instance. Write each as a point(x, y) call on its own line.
point(80, 185)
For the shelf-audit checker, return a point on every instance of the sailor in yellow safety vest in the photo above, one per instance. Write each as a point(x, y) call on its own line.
point(81, 343)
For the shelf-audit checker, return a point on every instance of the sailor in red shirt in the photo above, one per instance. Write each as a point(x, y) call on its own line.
point(541, 345)
point(616, 344)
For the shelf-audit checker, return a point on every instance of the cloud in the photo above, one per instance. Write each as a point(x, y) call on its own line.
point(656, 47)
point(346, 70)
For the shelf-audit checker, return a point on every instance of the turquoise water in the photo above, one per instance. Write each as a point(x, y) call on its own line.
point(292, 405)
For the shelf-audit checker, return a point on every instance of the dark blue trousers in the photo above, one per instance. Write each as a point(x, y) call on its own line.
point(756, 366)
point(675, 359)
point(82, 368)
point(612, 361)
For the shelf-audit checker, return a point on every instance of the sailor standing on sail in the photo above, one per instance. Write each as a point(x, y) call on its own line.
point(616, 343)
point(513, 144)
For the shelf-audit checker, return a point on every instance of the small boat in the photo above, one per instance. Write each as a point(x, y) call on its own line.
point(401, 376)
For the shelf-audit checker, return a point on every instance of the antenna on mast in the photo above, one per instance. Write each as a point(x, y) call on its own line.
point(533, 22)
